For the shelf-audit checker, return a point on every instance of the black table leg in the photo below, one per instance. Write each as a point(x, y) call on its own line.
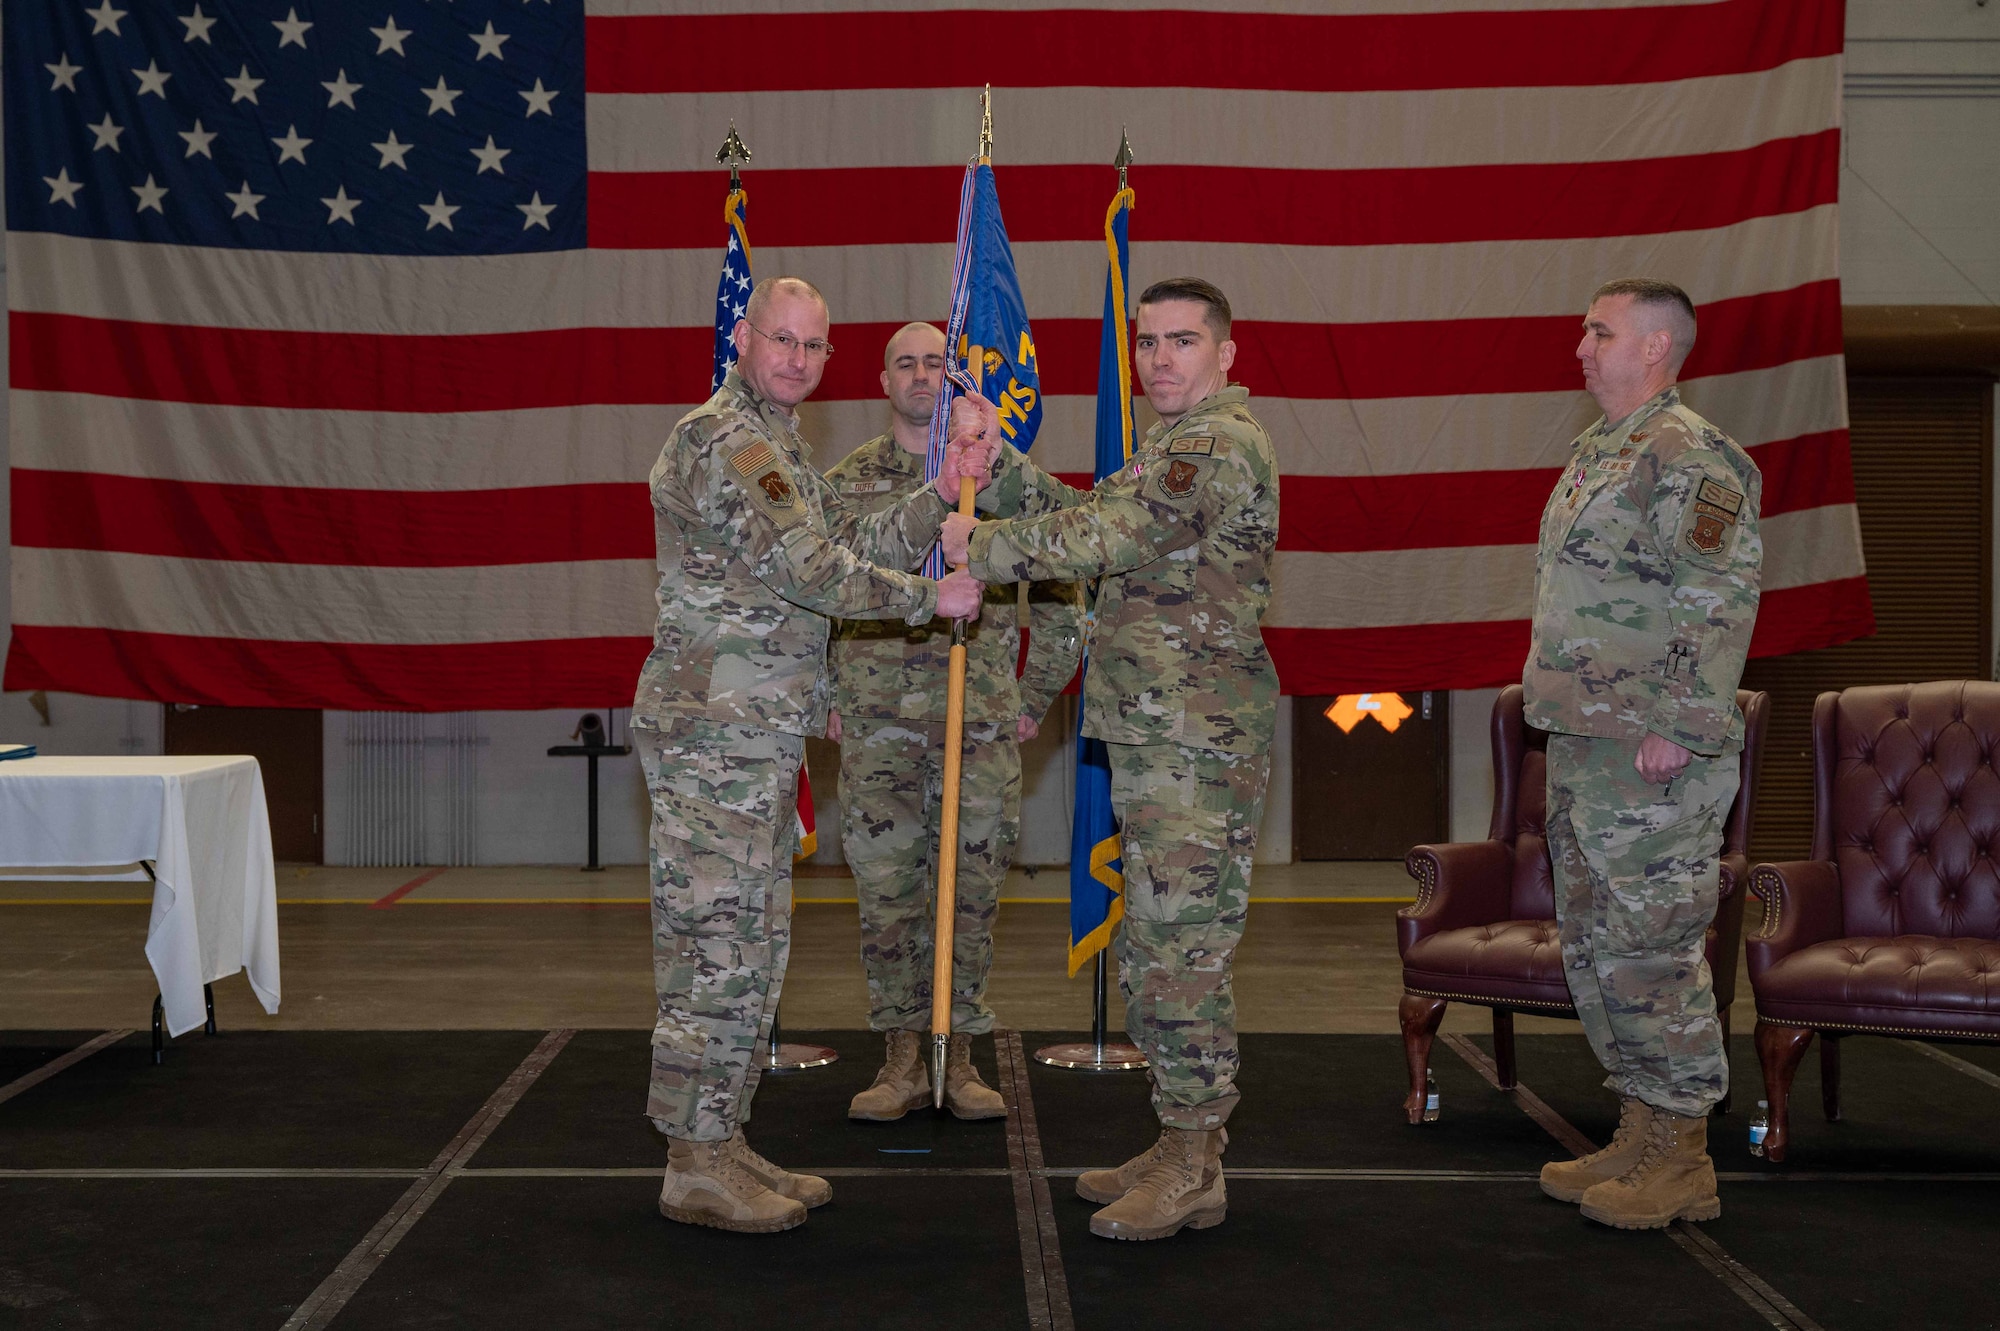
point(208, 999)
point(159, 1031)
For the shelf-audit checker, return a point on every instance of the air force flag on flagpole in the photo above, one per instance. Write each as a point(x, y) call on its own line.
point(1096, 871)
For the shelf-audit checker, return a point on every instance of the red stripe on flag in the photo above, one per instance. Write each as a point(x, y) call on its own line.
point(1388, 206)
point(1067, 48)
point(589, 672)
point(296, 525)
point(64, 510)
point(1472, 656)
point(245, 672)
point(570, 367)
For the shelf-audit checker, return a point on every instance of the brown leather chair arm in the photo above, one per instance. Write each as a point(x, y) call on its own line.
point(1729, 924)
point(1459, 884)
point(1801, 907)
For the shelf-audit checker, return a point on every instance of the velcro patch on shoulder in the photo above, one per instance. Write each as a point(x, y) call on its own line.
point(1202, 444)
point(1720, 496)
point(1180, 478)
point(752, 458)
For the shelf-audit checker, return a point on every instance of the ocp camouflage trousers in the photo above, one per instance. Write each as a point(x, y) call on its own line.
point(1189, 837)
point(891, 793)
point(723, 833)
point(1637, 877)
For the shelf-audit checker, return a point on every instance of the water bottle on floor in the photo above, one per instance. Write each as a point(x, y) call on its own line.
point(1760, 1123)
point(1430, 1097)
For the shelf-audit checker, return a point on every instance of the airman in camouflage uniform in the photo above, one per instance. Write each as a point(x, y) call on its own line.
point(1646, 590)
point(889, 710)
point(756, 553)
point(1183, 693)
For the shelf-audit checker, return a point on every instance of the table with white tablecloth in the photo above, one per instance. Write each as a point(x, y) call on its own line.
point(200, 822)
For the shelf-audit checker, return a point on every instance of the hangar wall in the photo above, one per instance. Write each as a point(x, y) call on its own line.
point(1920, 213)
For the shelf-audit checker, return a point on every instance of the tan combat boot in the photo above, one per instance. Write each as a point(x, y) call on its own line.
point(1108, 1185)
point(1568, 1180)
point(706, 1185)
point(1674, 1179)
point(903, 1084)
point(1180, 1189)
point(809, 1190)
point(965, 1095)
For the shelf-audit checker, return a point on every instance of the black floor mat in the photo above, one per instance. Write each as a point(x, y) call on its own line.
point(166, 1254)
point(1900, 1111)
point(1312, 1101)
point(21, 1052)
point(257, 1099)
point(595, 1253)
point(1352, 1253)
point(587, 1110)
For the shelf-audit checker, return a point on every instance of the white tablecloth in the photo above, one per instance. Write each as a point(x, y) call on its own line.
point(202, 824)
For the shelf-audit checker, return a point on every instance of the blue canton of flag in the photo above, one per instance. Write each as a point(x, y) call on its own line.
point(1096, 867)
point(371, 126)
point(732, 291)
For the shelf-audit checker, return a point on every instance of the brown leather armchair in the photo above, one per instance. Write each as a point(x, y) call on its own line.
point(1483, 928)
point(1891, 927)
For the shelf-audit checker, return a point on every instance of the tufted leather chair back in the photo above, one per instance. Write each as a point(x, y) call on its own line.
point(1906, 790)
point(1521, 794)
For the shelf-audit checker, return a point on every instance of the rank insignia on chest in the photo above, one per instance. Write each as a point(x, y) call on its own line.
point(749, 461)
point(1180, 478)
point(776, 488)
point(1204, 446)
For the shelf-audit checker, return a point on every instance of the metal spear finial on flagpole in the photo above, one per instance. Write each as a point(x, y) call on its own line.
point(986, 126)
point(734, 155)
point(1123, 161)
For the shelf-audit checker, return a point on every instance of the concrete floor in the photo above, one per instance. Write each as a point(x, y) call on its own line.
point(529, 947)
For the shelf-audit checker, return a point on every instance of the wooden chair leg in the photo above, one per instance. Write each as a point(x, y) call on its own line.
point(1729, 1093)
point(1503, 1046)
point(1829, 1075)
point(1779, 1050)
point(1421, 1017)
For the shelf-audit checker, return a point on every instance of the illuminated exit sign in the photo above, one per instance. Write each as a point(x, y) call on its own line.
point(1351, 709)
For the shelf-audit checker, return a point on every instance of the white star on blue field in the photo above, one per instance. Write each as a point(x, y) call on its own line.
point(372, 126)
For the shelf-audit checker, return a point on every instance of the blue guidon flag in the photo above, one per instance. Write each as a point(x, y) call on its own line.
point(987, 313)
point(1096, 866)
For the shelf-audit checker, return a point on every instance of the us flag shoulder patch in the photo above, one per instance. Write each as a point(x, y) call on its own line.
point(749, 461)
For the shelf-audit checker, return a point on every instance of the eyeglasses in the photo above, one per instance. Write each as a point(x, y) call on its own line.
point(817, 349)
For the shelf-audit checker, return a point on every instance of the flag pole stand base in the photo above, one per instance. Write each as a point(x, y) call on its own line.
point(782, 1057)
point(1098, 1053)
point(798, 1057)
point(1089, 1056)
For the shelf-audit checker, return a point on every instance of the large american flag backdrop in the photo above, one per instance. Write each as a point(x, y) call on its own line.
point(343, 334)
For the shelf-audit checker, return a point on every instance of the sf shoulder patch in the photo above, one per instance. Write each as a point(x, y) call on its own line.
point(1711, 517)
point(1204, 445)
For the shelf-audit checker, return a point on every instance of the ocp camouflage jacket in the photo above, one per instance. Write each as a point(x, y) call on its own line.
point(1646, 583)
point(1182, 538)
point(884, 669)
point(756, 555)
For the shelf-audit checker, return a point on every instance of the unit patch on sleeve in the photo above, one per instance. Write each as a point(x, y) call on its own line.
point(776, 488)
point(1204, 445)
point(1179, 478)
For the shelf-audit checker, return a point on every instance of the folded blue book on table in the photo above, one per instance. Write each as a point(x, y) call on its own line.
point(16, 751)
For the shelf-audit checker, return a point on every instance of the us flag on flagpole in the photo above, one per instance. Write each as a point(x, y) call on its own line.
point(337, 329)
